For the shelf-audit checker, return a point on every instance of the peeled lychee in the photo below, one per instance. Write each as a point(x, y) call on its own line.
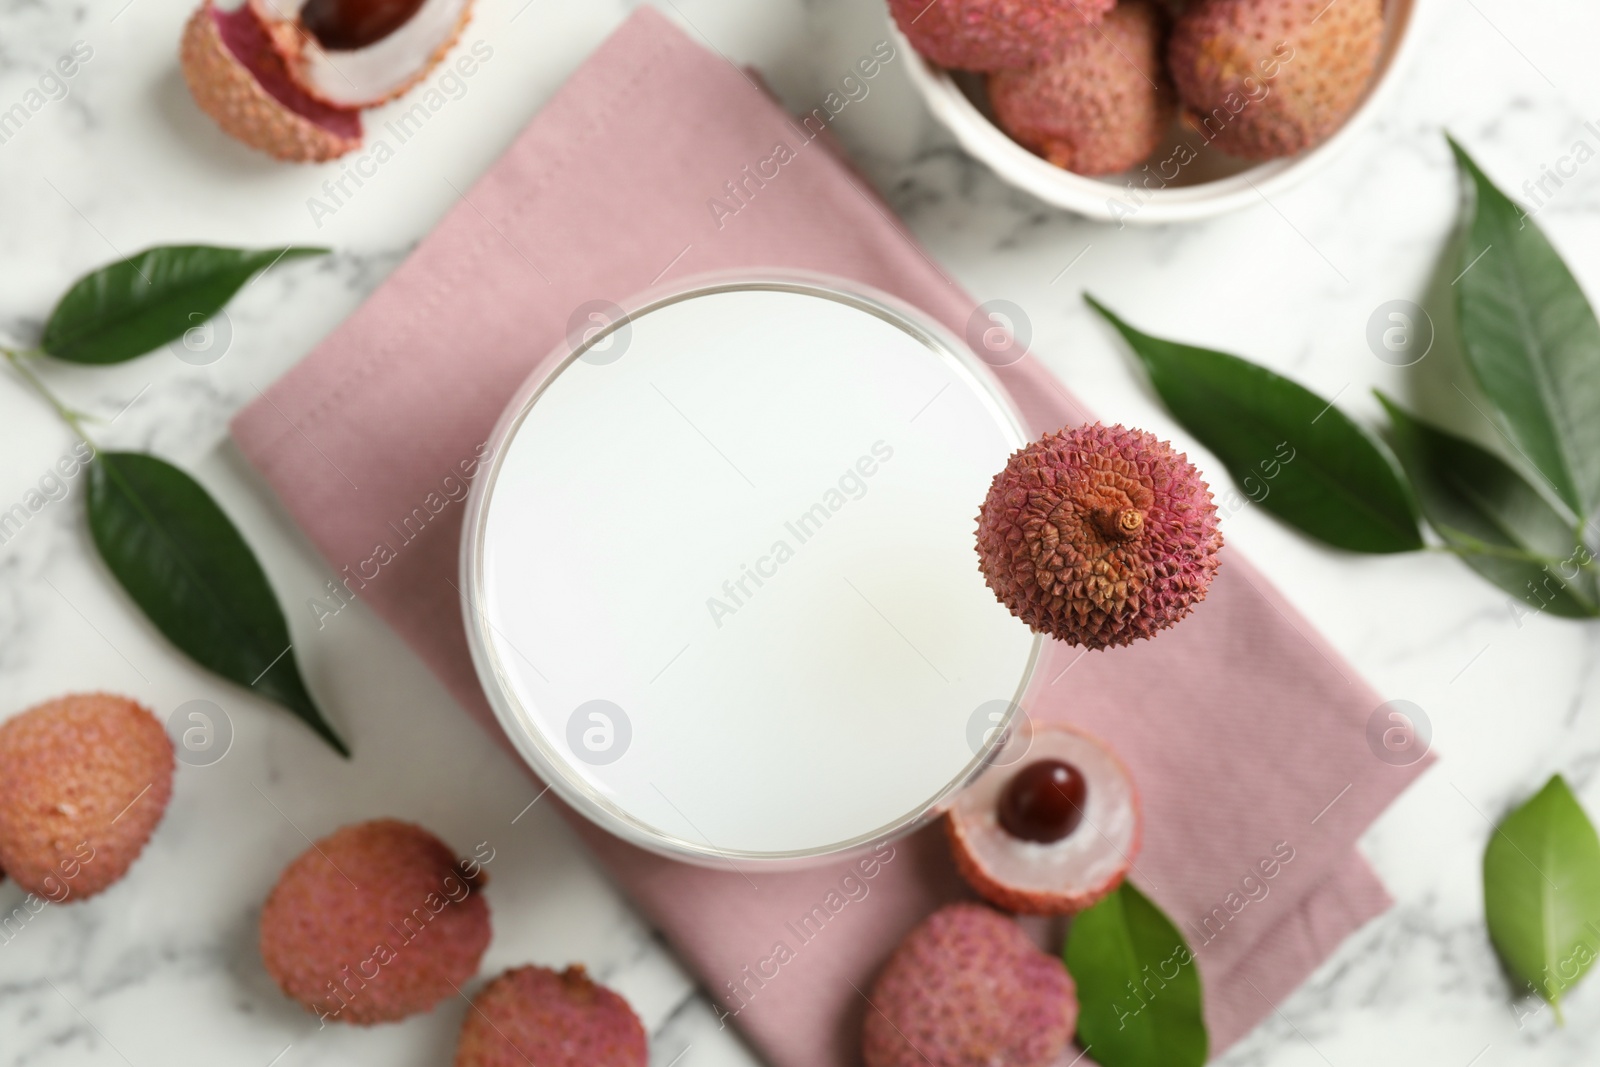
point(1268, 78)
point(994, 34)
point(238, 78)
point(374, 922)
point(1098, 535)
point(1103, 105)
point(968, 989)
point(84, 780)
point(535, 1015)
point(1052, 832)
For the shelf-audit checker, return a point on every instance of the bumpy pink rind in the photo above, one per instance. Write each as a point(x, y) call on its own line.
point(966, 988)
point(238, 79)
point(84, 780)
point(1262, 79)
point(373, 923)
point(536, 1015)
point(1098, 535)
point(1104, 105)
point(994, 34)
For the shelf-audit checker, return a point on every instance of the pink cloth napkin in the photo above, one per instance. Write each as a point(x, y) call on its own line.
point(1244, 729)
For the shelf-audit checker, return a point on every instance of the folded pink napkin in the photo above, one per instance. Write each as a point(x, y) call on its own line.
point(1245, 731)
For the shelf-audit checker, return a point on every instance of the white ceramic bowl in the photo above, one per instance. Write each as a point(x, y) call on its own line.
point(1211, 184)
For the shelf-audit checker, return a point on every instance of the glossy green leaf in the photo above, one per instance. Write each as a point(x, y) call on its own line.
point(184, 563)
point(1314, 467)
point(1138, 986)
point(1531, 339)
point(1498, 523)
point(1541, 891)
point(140, 303)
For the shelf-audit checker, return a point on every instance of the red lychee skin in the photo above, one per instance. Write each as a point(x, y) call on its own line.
point(1098, 535)
point(994, 34)
point(1292, 70)
point(235, 76)
point(536, 1015)
point(967, 988)
point(374, 922)
point(1104, 105)
point(84, 780)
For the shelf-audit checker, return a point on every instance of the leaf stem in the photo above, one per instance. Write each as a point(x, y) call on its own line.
point(18, 361)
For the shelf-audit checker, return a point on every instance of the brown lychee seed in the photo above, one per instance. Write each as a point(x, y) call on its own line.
point(1044, 801)
point(347, 25)
point(1098, 535)
point(995, 34)
point(361, 53)
point(1049, 872)
point(967, 988)
point(374, 922)
point(237, 77)
point(1262, 79)
point(1103, 104)
point(84, 780)
point(536, 1015)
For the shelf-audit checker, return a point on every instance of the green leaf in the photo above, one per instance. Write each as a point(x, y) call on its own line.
point(140, 303)
point(1532, 341)
point(185, 564)
point(1311, 464)
point(1138, 986)
point(1498, 523)
point(1541, 891)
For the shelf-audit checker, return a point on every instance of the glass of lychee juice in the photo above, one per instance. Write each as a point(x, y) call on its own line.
point(723, 594)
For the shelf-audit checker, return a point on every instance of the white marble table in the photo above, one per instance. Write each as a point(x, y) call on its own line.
point(163, 969)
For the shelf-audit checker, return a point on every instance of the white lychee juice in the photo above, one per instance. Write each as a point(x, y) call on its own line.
point(729, 603)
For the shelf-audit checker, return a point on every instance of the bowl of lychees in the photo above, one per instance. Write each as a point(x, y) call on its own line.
point(1153, 111)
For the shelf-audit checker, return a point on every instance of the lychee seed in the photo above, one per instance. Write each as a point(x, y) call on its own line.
point(1044, 801)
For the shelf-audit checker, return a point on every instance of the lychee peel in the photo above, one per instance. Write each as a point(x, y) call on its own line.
point(1098, 535)
point(238, 78)
point(994, 34)
point(1103, 105)
point(967, 988)
point(1264, 79)
point(374, 922)
point(536, 1015)
point(1061, 877)
point(84, 780)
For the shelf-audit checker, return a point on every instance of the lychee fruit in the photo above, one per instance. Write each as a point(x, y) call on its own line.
point(1263, 79)
point(239, 79)
point(1051, 832)
point(994, 34)
point(1098, 535)
point(374, 922)
point(84, 780)
point(536, 1015)
point(967, 988)
point(1103, 105)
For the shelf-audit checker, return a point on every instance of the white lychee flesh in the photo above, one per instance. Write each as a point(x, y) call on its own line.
point(368, 76)
point(1058, 877)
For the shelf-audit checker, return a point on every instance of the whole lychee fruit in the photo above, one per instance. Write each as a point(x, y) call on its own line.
point(968, 989)
point(535, 1015)
point(1098, 535)
point(83, 782)
point(374, 922)
point(994, 34)
point(1263, 79)
point(1051, 831)
point(1103, 105)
